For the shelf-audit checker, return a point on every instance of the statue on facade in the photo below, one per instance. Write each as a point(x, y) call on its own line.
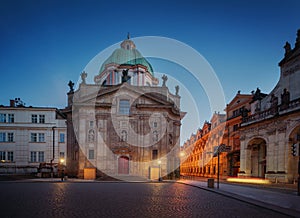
point(83, 77)
point(177, 89)
point(287, 48)
point(297, 44)
point(125, 76)
point(71, 85)
point(285, 99)
point(244, 113)
point(164, 78)
point(274, 104)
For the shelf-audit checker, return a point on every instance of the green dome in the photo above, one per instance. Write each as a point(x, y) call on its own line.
point(123, 56)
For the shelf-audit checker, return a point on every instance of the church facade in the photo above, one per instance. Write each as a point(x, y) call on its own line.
point(124, 124)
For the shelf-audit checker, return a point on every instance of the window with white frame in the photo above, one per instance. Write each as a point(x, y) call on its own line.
point(10, 156)
point(10, 137)
point(33, 137)
point(62, 154)
point(34, 118)
point(2, 118)
point(2, 136)
point(124, 107)
point(41, 137)
point(37, 118)
point(41, 156)
point(41, 118)
point(37, 137)
point(11, 118)
point(61, 137)
point(2, 155)
point(33, 156)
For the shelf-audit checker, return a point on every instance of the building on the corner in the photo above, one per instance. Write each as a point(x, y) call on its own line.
point(30, 138)
point(238, 106)
point(272, 127)
point(124, 124)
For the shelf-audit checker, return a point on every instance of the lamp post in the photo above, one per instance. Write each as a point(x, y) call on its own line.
point(53, 150)
point(62, 174)
point(159, 173)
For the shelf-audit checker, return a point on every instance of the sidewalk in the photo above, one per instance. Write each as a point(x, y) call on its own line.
point(284, 202)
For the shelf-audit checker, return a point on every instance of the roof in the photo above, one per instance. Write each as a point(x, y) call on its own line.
point(126, 55)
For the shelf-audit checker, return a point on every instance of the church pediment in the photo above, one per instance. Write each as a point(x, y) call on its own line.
point(139, 96)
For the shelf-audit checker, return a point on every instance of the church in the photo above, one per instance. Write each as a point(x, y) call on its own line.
point(125, 124)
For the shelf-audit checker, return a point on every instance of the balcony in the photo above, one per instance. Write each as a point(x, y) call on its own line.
point(272, 112)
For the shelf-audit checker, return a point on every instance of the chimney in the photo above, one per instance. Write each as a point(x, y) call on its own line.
point(12, 103)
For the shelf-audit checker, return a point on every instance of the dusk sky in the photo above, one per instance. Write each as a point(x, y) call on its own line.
point(44, 44)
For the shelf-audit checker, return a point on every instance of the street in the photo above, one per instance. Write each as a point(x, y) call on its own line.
point(115, 199)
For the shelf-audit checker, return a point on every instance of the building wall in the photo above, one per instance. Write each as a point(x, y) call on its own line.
point(268, 134)
point(22, 143)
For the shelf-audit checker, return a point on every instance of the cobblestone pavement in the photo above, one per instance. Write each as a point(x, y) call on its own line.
point(62, 199)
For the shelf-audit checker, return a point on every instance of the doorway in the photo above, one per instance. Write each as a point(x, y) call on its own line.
point(123, 165)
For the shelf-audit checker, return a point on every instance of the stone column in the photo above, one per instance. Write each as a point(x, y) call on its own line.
point(243, 157)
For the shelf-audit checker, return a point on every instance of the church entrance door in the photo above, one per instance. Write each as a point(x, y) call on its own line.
point(123, 165)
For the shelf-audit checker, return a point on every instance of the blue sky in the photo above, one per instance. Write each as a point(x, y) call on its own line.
point(44, 44)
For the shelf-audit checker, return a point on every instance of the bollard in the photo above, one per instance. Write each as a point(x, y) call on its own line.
point(210, 183)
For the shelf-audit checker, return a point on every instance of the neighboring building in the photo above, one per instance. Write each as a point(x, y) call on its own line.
point(261, 131)
point(199, 153)
point(273, 126)
point(26, 138)
point(238, 106)
point(123, 125)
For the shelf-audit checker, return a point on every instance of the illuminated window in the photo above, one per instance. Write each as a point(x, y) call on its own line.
point(2, 155)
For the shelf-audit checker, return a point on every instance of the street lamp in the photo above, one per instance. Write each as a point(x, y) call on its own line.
point(159, 169)
point(53, 150)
